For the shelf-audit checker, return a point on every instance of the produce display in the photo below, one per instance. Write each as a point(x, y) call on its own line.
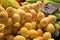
point(24, 20)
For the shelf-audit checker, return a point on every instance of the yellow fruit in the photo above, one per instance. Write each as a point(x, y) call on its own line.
point(21, 13)
point(51, 39)
point(26, 8)
point(34, 25)
point(9, 22)
point(57, 26)
point(19, 37)
point(33, 12)
point(40, 16)
point(2, 9)
point(11, 11)
point(1, 36)
point(2, 26)
point(40, 32)
point(17, 24)
point(52, 19)
point(28, 25)
point(9, 3)
point(47, 35)
point(0, 5)
point(37, 5)
point(38, 38)
point(16, 18)
point(3, 16)
point(44, 22)
point(28, 16)
point(50, 28)
point(22, 21)
point(45, 2)
point(24, 31)
point(33, 33)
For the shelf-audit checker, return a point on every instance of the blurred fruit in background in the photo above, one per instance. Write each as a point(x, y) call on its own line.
point(20, 1)
point(9, 3)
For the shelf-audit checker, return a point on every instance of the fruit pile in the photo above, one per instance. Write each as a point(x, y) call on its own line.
point(27, 23)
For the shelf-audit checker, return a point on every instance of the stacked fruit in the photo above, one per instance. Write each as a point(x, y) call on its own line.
point(27, 23)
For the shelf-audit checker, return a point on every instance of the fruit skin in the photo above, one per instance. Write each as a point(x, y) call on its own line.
point(50, 28)
point(19, 37)
point(47, 35)
point(0, 5)
point(9, 3)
